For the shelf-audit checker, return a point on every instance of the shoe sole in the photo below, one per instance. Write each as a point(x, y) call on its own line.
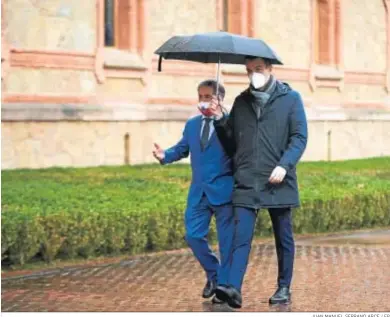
point(226, 298)
point(272, 302)
point(209, 296)
point(217, 301)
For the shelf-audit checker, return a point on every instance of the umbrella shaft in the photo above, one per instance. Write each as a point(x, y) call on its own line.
point(218, 71)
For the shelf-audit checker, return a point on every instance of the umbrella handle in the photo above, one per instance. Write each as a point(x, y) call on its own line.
point(223, 109)
point(218, 71)
point(159, 63)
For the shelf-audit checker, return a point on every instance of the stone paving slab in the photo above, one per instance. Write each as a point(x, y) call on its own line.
point(326, 278)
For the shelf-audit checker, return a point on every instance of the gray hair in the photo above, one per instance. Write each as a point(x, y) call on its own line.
point(213, 83)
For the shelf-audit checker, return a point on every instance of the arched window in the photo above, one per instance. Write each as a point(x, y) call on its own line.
point(109, 34)
point(122, 24)
point(327, 32)
point(237, 16)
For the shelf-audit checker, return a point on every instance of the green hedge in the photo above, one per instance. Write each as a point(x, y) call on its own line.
point(68, 213)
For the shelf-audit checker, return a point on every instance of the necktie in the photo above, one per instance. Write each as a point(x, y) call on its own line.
point(205, 133)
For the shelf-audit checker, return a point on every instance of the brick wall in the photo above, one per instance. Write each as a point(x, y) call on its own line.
point(61, 82)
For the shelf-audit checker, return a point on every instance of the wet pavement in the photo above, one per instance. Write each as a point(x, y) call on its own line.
point(335, 273)
point(373, 238)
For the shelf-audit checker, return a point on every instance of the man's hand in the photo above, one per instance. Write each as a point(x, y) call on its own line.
point(277, 175)
point(158, 152)
point(216, 107)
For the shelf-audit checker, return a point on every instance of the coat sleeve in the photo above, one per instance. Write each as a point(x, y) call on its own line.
point(225, 132)
point(297, 136)
point(178, 151)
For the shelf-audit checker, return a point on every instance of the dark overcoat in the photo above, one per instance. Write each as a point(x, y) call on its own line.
point(258, 144)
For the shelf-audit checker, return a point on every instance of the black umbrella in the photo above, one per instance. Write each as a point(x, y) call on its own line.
point(215, 47)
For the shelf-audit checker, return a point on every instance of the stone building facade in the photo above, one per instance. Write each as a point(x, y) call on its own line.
point(80, 85)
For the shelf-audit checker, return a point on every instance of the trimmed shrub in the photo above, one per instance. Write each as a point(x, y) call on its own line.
point(86, 212)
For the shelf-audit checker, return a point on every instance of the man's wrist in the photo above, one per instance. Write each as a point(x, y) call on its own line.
point(285, 167)
point(218, 116)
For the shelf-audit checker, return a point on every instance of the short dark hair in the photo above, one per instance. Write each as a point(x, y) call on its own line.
point(267, 61)
point(213, 83)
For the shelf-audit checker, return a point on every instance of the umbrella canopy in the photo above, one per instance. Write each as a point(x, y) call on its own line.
point(215, 47)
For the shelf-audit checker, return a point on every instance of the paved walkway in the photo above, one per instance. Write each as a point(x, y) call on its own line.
point(331, 274)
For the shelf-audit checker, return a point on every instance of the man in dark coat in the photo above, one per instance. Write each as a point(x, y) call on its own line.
point(266, 133)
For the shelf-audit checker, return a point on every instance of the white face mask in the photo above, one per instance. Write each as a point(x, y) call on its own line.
point(204, 108)
point(258, 80)
point(203, 105)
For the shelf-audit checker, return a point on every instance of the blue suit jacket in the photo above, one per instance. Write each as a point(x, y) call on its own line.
point(211, 169)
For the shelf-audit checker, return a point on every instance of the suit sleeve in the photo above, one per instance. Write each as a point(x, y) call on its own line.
point(297, 136)
point(225, 132)
point(178, 151)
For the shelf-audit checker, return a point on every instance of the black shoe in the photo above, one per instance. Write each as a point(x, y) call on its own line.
point(216, 300)
point(281, 296)
point(229, 295)
point(209, 289)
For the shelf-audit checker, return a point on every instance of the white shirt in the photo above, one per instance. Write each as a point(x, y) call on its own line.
point(211, 126)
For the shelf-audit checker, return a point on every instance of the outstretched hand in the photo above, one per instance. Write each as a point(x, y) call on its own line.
point(158, 152)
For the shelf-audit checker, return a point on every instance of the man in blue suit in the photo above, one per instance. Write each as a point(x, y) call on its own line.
point(210, 192)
